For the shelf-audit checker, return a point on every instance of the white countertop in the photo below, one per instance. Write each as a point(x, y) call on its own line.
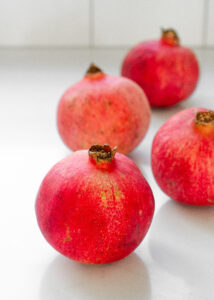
point(176, 259)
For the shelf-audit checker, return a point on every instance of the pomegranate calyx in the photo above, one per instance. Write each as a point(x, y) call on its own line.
point(102, 153)
point(170, 37)
point(93, 69)
point(204, 118)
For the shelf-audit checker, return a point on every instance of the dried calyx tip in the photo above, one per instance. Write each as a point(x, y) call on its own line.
point(204, 117)
point(170, 34)
point(93, 69)
point(102, 153)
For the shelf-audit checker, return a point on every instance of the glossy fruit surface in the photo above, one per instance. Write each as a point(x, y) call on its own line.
point(103, 109)
point(183, 157)
point(166, 71)
point(95, 207)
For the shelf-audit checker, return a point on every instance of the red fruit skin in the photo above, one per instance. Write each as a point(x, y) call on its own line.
point(183, 159)
point(91, 214)
point(167, 73)
point(103, 109)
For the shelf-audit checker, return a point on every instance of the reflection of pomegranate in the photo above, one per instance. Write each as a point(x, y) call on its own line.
point(183, 157)
point(103, 109)
point(167, 72)
point(95, 208)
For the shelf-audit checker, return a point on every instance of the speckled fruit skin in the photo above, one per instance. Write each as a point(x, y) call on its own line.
point(94, 212)
point(167, 73)
point(183, 159)
point(103, 109)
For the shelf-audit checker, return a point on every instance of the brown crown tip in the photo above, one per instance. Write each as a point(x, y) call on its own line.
point(204, 117)
point(102, 153)
point(170, 36)
point(93, 69)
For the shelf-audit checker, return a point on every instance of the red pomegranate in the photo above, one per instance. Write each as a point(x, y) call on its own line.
point(93, 207)
point(167, 72)
point(183, 157)
point(105, 109)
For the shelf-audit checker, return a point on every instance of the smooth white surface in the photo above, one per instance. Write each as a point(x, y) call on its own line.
point(103, 22)
point(210, 33)
point(174, 262)
point(44, 23)
point(129, 22)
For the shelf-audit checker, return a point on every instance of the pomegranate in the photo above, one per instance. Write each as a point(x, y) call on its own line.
point(95, 208)
point(103, 109)
point(166, 71)
point(183, 157)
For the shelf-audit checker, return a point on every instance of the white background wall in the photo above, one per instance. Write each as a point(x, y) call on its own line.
point(103, 22)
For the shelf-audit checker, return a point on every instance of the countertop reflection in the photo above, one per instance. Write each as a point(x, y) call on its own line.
point(125, 279)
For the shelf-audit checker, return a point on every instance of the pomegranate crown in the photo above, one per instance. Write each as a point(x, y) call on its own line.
point(170, 37)
point(102, 153)
point(93, 69)
point(204, 117)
